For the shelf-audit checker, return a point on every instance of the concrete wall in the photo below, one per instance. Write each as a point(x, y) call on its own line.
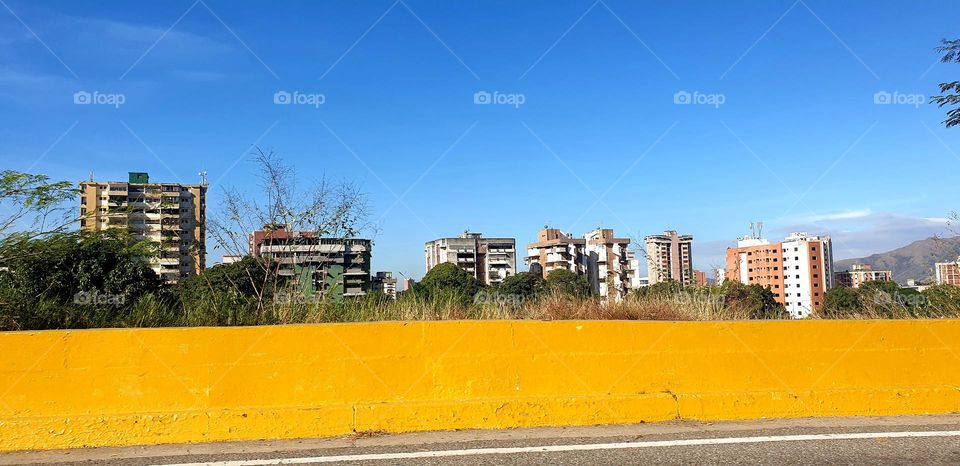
point(119, 387)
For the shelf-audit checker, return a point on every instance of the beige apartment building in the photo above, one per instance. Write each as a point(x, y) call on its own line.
point(599, 256)
point(490, 260)
point(948, 273)
point(670, 258)
point(860, 274)
point(172, 215)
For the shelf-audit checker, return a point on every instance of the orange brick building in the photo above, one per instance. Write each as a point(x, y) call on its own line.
point(798, 270)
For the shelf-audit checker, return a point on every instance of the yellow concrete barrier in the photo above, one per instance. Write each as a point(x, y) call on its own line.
point(61, 389)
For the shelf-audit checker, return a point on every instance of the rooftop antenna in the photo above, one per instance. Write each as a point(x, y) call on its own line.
point(753, 230)
point(91, 175)
point(203, 178)
point(760, 229)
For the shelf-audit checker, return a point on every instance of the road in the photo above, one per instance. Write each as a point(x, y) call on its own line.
point(915, 440)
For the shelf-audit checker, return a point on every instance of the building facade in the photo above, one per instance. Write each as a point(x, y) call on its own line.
point(172, 215)
point(699, 278)
point(599, 256)
point(305, 255)
point(490, 260)
point(607, 264)
point(384, 282)
point(554, 250)
point(798, 270)
point(860, 274)
point(670, 258)
point(948, 273)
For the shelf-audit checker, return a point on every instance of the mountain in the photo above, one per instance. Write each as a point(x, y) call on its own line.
point(913, 261)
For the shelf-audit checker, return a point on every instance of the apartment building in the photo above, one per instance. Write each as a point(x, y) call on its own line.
point(948, 273)
point(699, 278)
point(172, 215)
point(599, 256)
point(798, 270)
point(384, 282)
point(490, 260)
point(860, 274)
point(670, 257)
point(607, 264)
point(554, 250)
point(303, 254)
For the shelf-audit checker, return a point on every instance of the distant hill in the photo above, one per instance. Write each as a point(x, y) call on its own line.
point(913, 261)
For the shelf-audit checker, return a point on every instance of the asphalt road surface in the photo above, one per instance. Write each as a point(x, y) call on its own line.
point(914, 440)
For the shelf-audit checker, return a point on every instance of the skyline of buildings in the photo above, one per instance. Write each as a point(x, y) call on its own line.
point(798, 270)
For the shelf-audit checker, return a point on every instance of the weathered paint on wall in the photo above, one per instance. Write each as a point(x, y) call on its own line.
point(62, 389)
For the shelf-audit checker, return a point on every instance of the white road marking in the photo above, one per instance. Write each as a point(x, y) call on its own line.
point(576, 447)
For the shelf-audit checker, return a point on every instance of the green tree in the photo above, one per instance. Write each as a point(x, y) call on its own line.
point(75, 281)
point(524, 285)
point(31, 206)
point(841, 302)
point(943, 300)
point(755, 301)
point(448, 277)
point(231, 294)
point(950, 91)
point(567, 283)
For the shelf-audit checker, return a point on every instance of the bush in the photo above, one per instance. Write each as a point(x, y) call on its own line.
point(567, 283)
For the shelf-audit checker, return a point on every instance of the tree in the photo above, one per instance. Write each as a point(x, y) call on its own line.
point(228, 294)
point(75, 280)
point(567, 283)
point(523, 285)
point(327, 209)
point(950, 90)
point(450, 278)
point(26, 197)
point(755, 301)
point(841, 302)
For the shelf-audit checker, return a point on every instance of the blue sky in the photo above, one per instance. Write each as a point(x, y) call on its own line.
point(797, 140)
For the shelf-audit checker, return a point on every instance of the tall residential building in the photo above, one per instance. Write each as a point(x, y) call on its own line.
point(608, 268)
point(599, 256)
point(948, 273)
point(490, 260)
point(860, 274)
point(670, 257)
point(172, 215)
point(299, 252)
point(699, 278)
point(554, 250)
point(798, 270)
point(385, 283)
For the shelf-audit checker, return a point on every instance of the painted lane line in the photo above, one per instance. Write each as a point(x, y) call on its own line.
point(576, 447)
